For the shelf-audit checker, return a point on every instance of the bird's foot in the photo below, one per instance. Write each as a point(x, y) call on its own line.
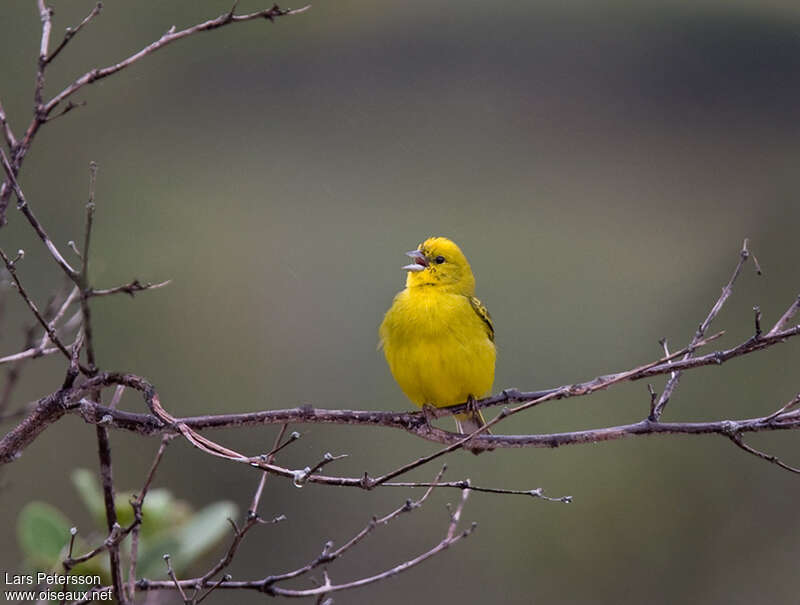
point(429, 412)
point(472, 406)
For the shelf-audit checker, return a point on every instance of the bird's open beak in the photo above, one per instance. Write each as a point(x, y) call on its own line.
point(420, 262)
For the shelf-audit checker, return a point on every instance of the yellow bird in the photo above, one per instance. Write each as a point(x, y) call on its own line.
point(438, 338)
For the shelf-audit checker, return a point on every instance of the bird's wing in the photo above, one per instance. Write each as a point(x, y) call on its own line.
point(483, 313)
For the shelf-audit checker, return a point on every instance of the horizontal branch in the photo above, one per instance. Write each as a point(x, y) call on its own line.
point(15, 441)
point(414, 422)
point(129, 288)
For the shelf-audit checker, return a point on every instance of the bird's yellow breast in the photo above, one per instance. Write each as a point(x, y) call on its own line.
point(437, 347)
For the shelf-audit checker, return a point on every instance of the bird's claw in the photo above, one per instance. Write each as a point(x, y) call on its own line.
point(429, 413)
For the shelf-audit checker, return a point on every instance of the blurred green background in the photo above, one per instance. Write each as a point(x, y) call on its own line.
point(599, 163)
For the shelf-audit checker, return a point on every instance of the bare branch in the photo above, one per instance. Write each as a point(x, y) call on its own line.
point(130, 288)
point(70, 298)
point(785, 408)
point(137, 504)
point(107, 481)
point(11, 140)
point(46, 15)
point(171, 36)
point(72, 32)
point(174, 579)
point(736, 437)
point(785, 318)
point(22, 205)
point(29, 353)
point(329, 554)
point(267, 585)
point(744, 254)
point(51, 333)
point(253, 510)
point(82, 281)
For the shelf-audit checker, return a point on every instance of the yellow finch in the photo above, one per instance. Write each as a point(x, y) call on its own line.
point(438, 338)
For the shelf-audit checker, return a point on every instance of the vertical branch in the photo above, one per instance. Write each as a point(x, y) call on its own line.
point(84, 274)
point(137, 504)
point(46, 14)
point(103, 445)
point(11, 140)
point(107, 479)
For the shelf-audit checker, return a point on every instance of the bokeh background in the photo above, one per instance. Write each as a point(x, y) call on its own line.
point(599, 163)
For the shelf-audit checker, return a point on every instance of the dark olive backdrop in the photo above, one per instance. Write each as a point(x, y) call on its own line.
point(599, 163)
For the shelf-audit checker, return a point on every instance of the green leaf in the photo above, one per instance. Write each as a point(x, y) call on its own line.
point(201, 533)
point(162, 511)
point(42, 532)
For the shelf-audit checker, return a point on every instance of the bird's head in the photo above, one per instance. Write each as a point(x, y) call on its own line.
point(439, 262)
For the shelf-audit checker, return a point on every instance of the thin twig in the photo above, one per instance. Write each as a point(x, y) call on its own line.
point(744, 254)
point(70, 298)
point(24, 207)
point(30, 353)
point(270, 457)
point(267, 585)
point(46, 15)
point(83, 279)
point(11, 140)
point(785, 318)
point(11, 266)
point(793, 402)
point(173, 577)
point(137, 504)
point(130, 288)
point(737, 439)
point(72, 32)
point(252, 517)
point(169, 37)
point(329, 554)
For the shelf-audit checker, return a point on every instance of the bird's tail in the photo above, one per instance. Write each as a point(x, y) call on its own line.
point(469, 423)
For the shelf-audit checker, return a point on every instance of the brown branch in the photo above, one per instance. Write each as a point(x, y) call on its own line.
point(42, 110)
point(267, 584)
point(171, 36)
point(14, 372)
point(785, 318)
point(129, 288)
point(792, 403)
point(12, 445)
point(70, 32)
point(328, 554)
point(137, 504)
point(29, 353)
point(744, 254)
point(24, 207)
point(51, 333)
point(114, 537)
point(174, 578)
point(46, 15)
point(252, 519)
point(11, 140)
point(107, 481)
point(736, 437)
point(82, 280)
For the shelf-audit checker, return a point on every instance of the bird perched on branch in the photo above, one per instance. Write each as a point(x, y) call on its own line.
point(438, 338)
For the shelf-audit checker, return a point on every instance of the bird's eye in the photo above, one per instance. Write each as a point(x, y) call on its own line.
point(439, 260)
